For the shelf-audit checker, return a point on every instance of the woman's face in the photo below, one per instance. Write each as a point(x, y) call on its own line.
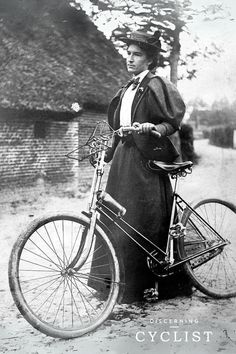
point(136, 60)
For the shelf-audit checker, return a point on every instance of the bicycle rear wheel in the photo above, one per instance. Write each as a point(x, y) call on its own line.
point(213, 273)
point(58, 301)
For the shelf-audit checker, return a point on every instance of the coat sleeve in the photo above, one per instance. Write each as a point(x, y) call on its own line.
point(171, 108)
point(112, 109)
point(111, 150)
point(165, 129)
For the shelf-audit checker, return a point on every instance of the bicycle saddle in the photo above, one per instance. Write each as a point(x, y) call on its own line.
point(174, 168)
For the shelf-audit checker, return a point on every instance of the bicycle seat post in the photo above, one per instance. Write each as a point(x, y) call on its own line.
point(175, 189)
point(170, 241)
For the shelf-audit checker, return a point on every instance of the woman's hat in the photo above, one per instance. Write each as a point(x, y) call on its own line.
point(149, 40)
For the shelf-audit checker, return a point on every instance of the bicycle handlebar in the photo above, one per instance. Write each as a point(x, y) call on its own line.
point(129, 129)
point(98, 141)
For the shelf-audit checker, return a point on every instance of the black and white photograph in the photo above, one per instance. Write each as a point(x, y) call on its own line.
point(117, 176)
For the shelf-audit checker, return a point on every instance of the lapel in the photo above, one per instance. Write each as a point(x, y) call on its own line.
point(140, 94)
point(137, 98)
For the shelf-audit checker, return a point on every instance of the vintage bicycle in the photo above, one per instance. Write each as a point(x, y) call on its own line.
point(65, 272)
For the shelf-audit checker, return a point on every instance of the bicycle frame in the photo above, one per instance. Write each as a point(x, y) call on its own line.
point(152, 250)
point(168, 261)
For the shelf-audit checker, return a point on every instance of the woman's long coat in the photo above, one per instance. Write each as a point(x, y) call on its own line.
point(146, 195)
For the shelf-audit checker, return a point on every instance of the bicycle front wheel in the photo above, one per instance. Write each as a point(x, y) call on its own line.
point(214, 272)
point(53, 298)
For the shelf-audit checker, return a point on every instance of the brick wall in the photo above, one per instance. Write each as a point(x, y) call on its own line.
point(87, 123)
point(25, 158)
point(33, 153)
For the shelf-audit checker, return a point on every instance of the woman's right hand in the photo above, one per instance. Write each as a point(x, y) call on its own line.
point(146, 128)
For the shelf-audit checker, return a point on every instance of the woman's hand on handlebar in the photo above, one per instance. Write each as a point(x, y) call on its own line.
point(146, 128)
point(140, 128)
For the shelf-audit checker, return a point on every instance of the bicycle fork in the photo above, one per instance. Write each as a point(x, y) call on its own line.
point(83, 253)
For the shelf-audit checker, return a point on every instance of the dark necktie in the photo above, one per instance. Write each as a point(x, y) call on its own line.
point(134, 82)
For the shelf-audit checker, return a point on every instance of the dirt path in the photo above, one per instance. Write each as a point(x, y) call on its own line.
point(168, 326)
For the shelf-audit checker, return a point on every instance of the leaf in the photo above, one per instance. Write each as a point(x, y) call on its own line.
point(171, 17)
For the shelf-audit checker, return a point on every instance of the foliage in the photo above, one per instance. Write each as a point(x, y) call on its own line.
point(187, 143)
point(222, 136)
point(170, 17)
point(220, 113)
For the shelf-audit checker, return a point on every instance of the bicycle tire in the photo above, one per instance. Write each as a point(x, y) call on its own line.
point(53, 301)
point(214, 275)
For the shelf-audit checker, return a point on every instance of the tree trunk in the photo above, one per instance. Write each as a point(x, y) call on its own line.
point(174, 68)
point(174, 57)
point(174, 61)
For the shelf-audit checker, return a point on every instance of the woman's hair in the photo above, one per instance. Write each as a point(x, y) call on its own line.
point(152, 53)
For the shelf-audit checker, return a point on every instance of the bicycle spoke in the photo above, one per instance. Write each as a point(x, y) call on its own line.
point(40, 285)
point(51, 302)
point(38, 278)
point(63, 249)
point(225, 262)
point(77, 308)
point(51, 248)
point(47, 259)
point(83, 298)
point(59, 306)
point(72, 300)
point(222, 218)
point(50, 293)
point(40, 265)
point(59, 238)
point(38, 295)
point(76, 239)
point(215, 271)
point(94, 259)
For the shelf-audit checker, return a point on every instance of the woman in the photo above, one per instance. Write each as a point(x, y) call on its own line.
point(151, 104)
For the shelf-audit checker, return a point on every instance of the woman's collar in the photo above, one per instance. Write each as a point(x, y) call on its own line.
point(141, 75)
